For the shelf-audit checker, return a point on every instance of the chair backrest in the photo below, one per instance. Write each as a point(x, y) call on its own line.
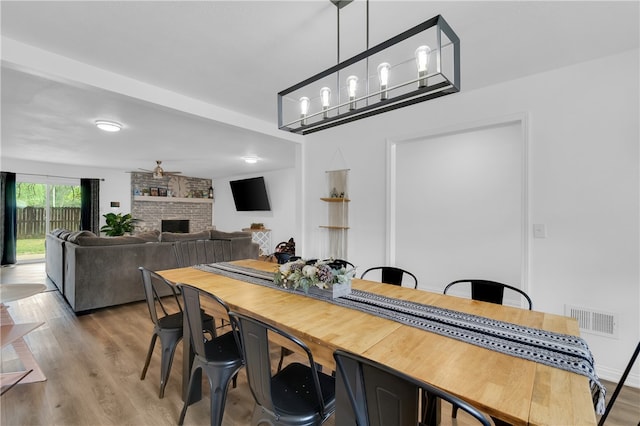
point(380, 395)
point(341, 262)
point(392, 275)
point(193, 313)
point(254, 340)
point(195, 252)
point(489, 291)
point(155, 287)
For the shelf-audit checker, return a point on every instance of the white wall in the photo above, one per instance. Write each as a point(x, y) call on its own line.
point(458, 206)
point(583, 174)
point(115, 185)
point(281, 219)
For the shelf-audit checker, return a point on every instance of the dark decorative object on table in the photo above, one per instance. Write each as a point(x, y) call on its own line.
point(284, 251)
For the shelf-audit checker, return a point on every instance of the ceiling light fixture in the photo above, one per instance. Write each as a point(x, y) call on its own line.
point(108, 126)
point(400, 76)
point(250, 160)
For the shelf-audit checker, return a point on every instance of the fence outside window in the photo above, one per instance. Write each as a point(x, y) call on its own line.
point(32, 221)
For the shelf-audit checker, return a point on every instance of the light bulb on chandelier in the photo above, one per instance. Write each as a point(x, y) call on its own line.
point(325, 97)
point(422, 61)
point(352, 86)
point(304, 109)
point(383, 75)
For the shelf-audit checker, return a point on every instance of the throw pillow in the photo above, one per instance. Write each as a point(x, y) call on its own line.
point(73, 237)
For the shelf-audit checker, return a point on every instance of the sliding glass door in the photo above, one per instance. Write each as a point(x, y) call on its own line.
point(44, 204)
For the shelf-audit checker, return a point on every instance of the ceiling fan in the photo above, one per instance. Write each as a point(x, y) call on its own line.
point(158, 172)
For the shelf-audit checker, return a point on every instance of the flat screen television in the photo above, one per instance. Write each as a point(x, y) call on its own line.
point(250, 194)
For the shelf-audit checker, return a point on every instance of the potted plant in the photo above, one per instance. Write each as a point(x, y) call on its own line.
point(315, 276)
point(118, 224)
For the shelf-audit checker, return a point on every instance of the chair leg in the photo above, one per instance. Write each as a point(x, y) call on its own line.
point(218, 385)
point(149, 353)
point(430, 409)
point(168, 350)
point(283, 352)
point(454, 411)
point(188, 398)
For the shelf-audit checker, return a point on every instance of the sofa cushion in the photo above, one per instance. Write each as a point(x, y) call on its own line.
point(73, 237)
point(220, 235)
point(58, 232)
point(108, 241)
point(64, 235)
point(150, 236)
point(176, 236)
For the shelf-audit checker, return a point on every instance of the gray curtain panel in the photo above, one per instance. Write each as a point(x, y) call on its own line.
point(8, 217)
point(90, 205)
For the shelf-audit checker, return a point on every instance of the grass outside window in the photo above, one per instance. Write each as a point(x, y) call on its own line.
point(30, 246)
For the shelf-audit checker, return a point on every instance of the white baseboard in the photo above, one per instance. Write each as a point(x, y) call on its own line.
point(614, 375)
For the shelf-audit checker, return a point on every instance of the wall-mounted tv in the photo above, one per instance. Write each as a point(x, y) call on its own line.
point(250, 194)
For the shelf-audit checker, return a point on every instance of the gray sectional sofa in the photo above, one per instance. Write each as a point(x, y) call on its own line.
point(95, 272)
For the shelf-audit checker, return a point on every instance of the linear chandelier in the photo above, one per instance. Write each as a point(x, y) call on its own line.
point(419, 64)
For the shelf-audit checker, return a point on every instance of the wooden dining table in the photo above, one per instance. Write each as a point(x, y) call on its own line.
point(512, 389)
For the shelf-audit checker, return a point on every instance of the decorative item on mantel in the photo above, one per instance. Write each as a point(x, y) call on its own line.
point(315, 276)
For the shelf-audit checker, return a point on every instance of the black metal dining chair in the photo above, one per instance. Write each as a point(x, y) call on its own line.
point(298, 394)
point(219, 357)
point(392, 275)
point(340, 262)
point(380, 395)
point(489, 291)
point(166, 314)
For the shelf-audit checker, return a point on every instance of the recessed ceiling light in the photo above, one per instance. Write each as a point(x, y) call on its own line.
point(250, 160)
point(108, 126)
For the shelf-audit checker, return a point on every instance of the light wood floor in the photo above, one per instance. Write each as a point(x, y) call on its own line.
point(93, 364)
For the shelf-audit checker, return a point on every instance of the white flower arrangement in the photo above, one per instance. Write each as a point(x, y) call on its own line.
point(306, 274)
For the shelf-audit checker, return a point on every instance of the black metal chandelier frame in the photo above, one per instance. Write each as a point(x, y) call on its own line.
point(445, 87)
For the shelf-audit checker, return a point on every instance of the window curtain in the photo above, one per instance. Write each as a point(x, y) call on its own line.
point(8, 217)
point(90, 205)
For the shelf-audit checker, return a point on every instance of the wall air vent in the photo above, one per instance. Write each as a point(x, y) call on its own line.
point(594, 322)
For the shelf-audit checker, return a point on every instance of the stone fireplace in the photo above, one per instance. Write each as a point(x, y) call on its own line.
point(152, 211)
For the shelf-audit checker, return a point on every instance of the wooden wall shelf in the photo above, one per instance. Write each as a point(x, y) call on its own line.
point(336, 200)
point(150, 198)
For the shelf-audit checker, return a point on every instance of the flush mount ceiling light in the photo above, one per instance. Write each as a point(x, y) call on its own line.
point(419, 64)
point(250, 160)
point(108, 126)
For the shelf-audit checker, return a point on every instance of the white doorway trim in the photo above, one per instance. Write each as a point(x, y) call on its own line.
point(521, 119)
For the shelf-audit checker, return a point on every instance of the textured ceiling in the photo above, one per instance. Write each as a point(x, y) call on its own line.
point(195, 83)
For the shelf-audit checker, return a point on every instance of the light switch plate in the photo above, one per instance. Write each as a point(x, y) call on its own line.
point(539, 230)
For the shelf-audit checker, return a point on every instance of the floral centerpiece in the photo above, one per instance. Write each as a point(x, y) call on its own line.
point(320, 274)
